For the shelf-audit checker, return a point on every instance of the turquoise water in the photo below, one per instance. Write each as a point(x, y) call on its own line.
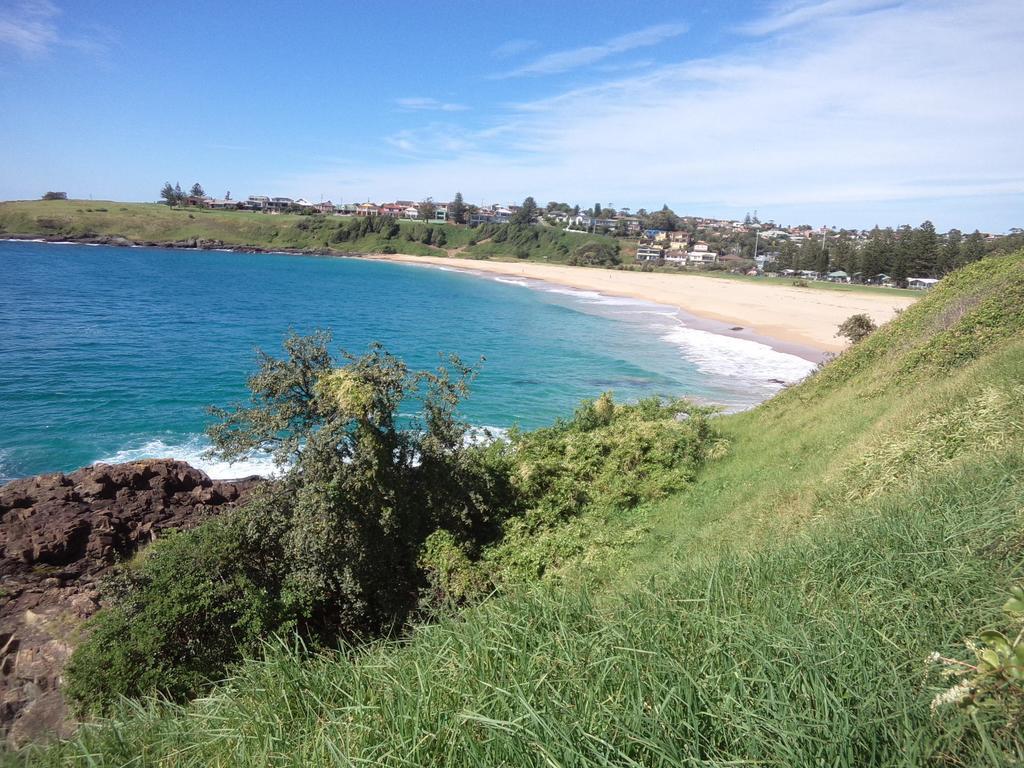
point(113, 353)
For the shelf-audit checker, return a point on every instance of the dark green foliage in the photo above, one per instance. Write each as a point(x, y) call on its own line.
point(600, 254)
point(55, 196)
point(331, 550)
point(857, 327)
point(196, 602)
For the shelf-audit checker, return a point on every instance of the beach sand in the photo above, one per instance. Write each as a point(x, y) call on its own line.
point(806, 317)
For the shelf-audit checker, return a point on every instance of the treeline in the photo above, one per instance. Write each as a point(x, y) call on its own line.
point(899, 253)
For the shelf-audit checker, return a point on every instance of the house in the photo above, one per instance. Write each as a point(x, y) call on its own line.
point(921, 283)
point(440, 212)
point(327, 207)
point(366, 209)
point(702, 258)
point(483, 216)
point(391, 209)
point(839, 276)
point(649, 252)
point(222, 205)
point(278, 204)
point(410, 212)
point(302, 203)
point(258, 202)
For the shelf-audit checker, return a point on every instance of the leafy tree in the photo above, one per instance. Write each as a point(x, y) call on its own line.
point(168, 195)
point(55, 196)
point(197, 190)
point(526, 214)
point(457, 210)
point(426, 209)
point(949, 254)
point(664, 219)
point(331, 550)
point(857, 327)
point(597, 210)
point(974, 248)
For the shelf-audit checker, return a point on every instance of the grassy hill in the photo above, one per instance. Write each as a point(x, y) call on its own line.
point(780, 613)
point(157, 224)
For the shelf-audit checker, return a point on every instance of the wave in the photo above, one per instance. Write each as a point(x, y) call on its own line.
point(728, 356)
point(512, 281)
point(193, 451)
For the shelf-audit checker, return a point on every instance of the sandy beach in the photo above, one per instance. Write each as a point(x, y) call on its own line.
point(803, 316)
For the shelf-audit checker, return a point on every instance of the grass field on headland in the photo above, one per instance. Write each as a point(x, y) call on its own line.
point(778, 613)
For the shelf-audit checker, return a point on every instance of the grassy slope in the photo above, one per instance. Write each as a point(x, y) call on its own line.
point(150, 222)
point(778, 614)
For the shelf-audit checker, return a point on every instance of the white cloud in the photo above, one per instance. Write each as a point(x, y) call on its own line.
point(789, 15)
point(563, 61)
point(427, 104)
point(914, 109)
point(29, 26)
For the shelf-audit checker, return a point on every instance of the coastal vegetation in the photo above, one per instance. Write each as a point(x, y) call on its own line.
point(154, 224)
point(783, 586)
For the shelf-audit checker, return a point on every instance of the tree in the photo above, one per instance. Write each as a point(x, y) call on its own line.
point(457, 210)
point(197, 190)
point(170, 195)
point(923, 251)
point(55, 196)
point(595, 254)
point(949, 254)
point(597, 210)
point(426, 209)
point(857, 327)
point(526, 214)
point(974, 248)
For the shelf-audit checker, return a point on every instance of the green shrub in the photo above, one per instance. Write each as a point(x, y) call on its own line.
point(196, 603)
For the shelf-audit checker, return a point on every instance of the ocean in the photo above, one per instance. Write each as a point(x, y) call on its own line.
point(113, 354)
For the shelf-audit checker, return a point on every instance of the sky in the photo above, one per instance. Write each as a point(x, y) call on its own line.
point(825, 112)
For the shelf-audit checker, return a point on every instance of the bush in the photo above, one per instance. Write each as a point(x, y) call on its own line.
point(595, 254)
point(195, 603)
point(857, 327)
point(332, 550)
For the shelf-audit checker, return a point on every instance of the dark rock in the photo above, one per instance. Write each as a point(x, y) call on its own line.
point(58, 535)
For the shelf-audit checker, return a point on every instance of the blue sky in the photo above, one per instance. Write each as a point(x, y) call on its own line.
point(840, 112)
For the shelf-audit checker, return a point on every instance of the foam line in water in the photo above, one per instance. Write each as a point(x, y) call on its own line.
point(193, 450)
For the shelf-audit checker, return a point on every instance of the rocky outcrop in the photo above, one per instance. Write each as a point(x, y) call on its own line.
point(58, 535)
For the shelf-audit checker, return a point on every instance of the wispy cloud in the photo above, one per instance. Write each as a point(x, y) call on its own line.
point(30, 27)
point(513, 48)
point(834, 120)
point(563, 61)
point(427, 104)
point(790, 15)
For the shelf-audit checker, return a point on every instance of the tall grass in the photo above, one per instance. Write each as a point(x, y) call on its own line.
point(808, 654)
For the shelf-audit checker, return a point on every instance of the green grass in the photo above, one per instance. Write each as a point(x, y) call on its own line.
point(154, 223)
point(778, 613)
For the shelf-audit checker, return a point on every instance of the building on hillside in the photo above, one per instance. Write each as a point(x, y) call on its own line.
point(327, 207)
point(410, 212)
point(702, 258)
point(367, 209)
point(279, 204)
point(258, 202)
point(649, 252)
point(391, 209)
point(222, 205)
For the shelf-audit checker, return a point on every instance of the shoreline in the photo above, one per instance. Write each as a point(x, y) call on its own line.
point(797, 321)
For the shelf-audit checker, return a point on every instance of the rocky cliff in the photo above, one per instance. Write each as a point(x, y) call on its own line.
point(59, 534)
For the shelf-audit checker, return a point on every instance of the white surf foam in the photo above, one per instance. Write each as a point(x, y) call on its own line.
point(193, 451)
point(743, 359)
point(512, 281)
